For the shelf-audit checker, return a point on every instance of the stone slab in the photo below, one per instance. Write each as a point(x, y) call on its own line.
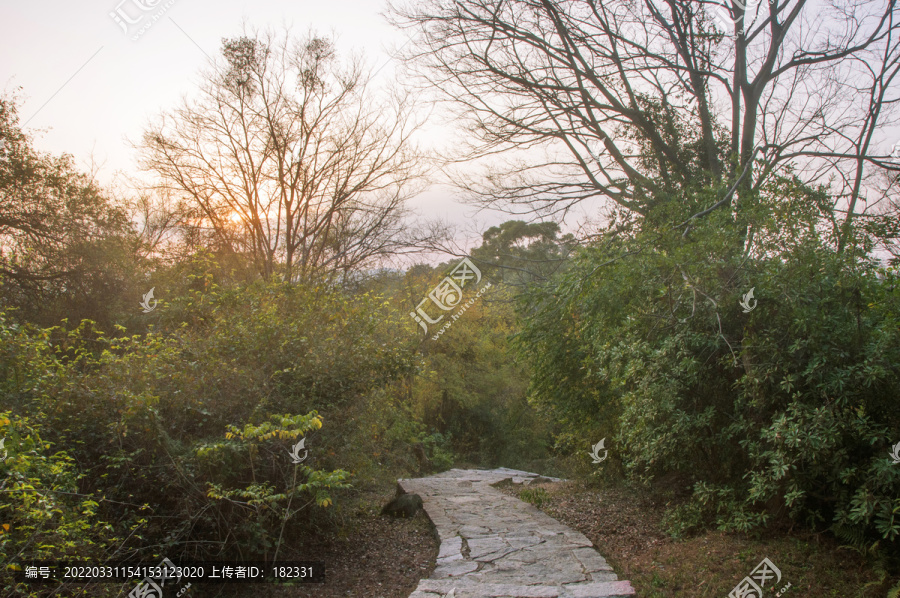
point(496, 546)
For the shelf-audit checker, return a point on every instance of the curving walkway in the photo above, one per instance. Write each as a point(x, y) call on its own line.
point(494, 545)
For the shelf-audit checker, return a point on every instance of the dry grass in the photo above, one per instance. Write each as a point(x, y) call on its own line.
point(626, 528)
point(374, 557)
point(378, 557)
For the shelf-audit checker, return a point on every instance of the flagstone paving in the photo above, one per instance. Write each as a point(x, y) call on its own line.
point(494, 545)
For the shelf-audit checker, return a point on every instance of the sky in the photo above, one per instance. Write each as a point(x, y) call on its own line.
point(89, 88)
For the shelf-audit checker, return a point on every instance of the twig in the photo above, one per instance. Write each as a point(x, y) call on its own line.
point(728, 195)
point(287, 511)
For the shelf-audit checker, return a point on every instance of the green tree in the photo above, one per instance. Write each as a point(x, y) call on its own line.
point(639, 101)
point(519, 253)
point(783, 412)
point(66, 251)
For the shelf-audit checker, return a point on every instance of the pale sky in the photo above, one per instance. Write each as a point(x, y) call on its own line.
point(89, 88)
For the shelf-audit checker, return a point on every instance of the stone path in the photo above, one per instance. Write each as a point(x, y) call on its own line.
point(494, 545)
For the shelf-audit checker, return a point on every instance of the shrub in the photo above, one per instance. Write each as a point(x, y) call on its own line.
point(186, 431)
point(783, 412)
point(43, 516)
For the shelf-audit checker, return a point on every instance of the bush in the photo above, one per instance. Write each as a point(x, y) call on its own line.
point(787, 411)
point(472, 390)
point(43, 516)
point(186, 431)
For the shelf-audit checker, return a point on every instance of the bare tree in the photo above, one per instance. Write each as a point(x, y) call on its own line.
point(638, 100)
point(290, 157)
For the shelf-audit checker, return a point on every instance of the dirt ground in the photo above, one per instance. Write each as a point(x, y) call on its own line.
point(377, 557)
point(380, 557)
